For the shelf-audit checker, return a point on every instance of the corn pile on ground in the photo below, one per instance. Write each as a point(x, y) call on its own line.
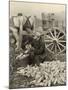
point(47, 74)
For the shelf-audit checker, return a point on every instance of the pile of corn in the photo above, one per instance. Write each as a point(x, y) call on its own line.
point(47, 74)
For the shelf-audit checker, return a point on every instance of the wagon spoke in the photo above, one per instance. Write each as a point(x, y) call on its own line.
point(62, 41)
point(63, 50)
point(55, 49)
point(52, 47)
point(48, 41)
point(58, 34)
point(49, 44)
point(51, 34)
point(55, 33)
point(61, 45)
point(61, 37)
point(49, 37)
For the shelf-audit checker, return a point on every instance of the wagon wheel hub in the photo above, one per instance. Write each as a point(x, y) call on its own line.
point(55, 41)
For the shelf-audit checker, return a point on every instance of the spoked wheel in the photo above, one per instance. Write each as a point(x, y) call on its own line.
point(55, 40)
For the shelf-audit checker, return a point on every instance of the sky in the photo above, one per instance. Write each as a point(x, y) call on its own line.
point(35, 8)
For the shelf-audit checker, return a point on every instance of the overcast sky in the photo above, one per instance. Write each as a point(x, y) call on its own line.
point(35, 8)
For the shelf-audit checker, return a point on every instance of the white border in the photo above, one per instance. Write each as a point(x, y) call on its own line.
point(4, 43)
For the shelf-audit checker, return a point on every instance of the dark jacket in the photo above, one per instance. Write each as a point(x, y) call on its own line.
point(38, 54)
point(39, 46)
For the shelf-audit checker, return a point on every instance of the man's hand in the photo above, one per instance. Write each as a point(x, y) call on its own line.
point(19, 56)
point(22, 56)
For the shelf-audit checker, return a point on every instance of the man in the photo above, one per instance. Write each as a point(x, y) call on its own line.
point(37, 54)
point(34, 52)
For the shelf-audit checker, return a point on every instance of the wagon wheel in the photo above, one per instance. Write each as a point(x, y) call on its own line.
point(55, 40)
